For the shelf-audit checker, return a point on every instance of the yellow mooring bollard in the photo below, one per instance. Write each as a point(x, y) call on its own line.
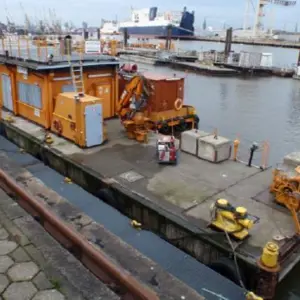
point(236, 145)
point(269, 257)
point(269, 267)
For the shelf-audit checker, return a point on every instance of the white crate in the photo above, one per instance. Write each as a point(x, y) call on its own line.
point(292, 160)
point(189, 140)
point(214, 150)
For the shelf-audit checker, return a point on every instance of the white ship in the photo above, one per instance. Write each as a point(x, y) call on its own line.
point(150, 21)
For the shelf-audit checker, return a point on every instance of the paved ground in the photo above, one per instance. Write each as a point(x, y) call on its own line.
point(20, 277)
point(29, 272)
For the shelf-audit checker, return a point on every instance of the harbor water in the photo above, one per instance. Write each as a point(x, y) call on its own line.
point(253, 109)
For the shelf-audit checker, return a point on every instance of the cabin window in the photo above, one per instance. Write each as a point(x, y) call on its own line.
point(30, 94)
point(67, 88)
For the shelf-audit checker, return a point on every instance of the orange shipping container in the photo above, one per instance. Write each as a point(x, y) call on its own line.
point(164, 91)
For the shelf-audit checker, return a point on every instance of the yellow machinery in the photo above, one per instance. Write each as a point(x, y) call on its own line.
point(137, 127)
point(286, 189)
point(252, 296)
point(270, 256)
point(79, 119)
point(233, 220)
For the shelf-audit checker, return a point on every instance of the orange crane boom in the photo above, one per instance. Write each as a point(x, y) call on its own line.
point(134, 93)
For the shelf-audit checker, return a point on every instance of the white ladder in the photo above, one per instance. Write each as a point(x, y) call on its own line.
point(77, 78)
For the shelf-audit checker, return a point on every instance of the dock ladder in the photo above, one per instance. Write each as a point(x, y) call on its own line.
point(77, 78)
point(76, 71)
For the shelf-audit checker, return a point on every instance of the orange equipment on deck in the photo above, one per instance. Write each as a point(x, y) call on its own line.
point(130, 106)
point(286, 189)
point(159, 98)
point(79, 119)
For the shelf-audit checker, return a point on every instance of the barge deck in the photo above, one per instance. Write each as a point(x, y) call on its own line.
point(173, 201)
point(203, 69)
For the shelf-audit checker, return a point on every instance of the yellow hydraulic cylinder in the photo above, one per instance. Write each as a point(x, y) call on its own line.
point(236, 144)
point(252, 296)
point(270, 255)
point(247, 223)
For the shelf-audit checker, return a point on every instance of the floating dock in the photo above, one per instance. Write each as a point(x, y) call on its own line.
point(199, 68)
point(212, 70)
point(173, 202)
point(258, 71)
point(215, 69)
point(153, 261)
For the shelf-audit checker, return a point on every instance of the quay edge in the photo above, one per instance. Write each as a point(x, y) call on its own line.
point(168, 223)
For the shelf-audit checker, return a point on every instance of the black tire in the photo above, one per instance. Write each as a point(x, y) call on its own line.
point(226, 267)
point(165, 129)
point(182, 126)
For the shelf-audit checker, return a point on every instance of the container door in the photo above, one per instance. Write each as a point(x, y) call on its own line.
point(93, 125)
point(6, 92)
point(103, 92)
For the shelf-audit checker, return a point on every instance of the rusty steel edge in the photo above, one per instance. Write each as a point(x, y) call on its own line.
point(127, 281)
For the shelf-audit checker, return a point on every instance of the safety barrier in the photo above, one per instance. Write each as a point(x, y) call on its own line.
point(40, 49)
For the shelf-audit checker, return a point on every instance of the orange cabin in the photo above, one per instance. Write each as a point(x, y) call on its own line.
point(29, 88)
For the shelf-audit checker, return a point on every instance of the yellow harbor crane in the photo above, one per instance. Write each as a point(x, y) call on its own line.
point(259, 9)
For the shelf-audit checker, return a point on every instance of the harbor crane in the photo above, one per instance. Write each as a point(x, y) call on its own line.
point(27, 20)
point(260, 12)
point(10, 22)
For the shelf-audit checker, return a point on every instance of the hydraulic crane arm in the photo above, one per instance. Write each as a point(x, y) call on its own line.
point(134, 89)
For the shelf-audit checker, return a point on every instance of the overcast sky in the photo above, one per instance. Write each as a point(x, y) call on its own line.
point(217, 12)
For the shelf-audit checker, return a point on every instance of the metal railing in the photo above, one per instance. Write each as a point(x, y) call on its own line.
point(40, 50)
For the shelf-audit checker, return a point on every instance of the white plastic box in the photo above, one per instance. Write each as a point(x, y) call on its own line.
point(292, 160)
point(214, 150)
point(189, 140)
